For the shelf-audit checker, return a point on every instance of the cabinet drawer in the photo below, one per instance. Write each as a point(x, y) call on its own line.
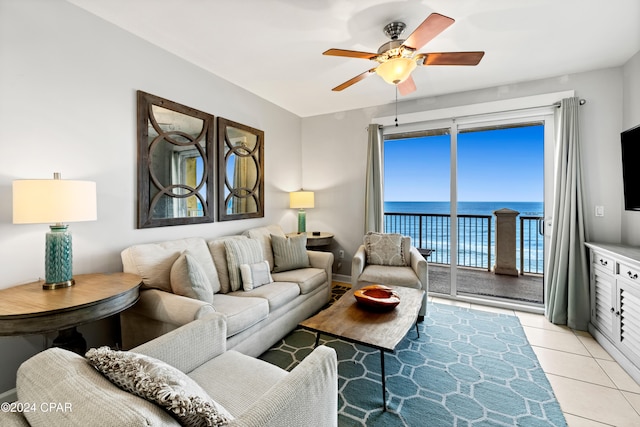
point(629, 272)
point(603, 262)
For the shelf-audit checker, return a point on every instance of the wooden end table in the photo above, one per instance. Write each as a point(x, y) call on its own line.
point(347, 320)
point(29, 309)
point(321, 240)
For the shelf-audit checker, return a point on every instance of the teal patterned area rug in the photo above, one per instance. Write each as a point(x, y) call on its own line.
point(467, 368)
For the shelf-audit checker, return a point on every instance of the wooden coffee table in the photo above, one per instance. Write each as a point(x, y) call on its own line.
point(347, 320)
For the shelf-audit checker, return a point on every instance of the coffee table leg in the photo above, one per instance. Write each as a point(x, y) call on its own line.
point(417, 330)
point(384, 383)
point(317, 339)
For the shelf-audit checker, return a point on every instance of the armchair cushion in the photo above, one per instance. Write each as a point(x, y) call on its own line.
point(390, 249)
point(160, 383)
point(189, 279)
point(289, 253)
point(58, 375)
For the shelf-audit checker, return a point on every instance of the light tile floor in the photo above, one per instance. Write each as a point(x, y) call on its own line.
point(592, 389)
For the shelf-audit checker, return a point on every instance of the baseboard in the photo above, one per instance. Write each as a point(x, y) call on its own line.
point(9, 396)
point(618, 356)
point(341, 278)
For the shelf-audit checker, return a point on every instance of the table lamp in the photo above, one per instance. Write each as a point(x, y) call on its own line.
point(42, 201)
point(301, 200)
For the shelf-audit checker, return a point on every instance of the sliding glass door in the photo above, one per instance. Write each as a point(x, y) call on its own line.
point(417, 195)
point(471, 194)
point(500, 209)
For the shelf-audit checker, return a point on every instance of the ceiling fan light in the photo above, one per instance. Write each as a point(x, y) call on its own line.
point(396, 70)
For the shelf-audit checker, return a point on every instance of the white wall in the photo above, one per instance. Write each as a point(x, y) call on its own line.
point(631, 118)
point(68, 84)
point(334, 152)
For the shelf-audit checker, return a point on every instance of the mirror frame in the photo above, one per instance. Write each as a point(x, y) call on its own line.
point(223, 180)
point(145, 179)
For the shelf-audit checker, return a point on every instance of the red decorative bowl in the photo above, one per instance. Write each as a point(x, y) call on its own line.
point(377, 297)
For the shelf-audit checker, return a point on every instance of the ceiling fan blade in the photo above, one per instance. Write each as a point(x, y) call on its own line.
point(407, 86)
point(452, 58)
point(354, 80)
point(430, 27)
point(350, 53)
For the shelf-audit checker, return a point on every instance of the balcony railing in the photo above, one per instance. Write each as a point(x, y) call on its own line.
point(475, 246)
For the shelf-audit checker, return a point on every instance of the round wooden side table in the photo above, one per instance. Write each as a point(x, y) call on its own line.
point(29, 309)
point(314, 241)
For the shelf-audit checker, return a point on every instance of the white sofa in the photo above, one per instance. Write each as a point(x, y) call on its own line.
point(256, 319)
point(254, 392)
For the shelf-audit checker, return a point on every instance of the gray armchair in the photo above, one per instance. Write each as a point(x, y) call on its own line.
point(413, 275)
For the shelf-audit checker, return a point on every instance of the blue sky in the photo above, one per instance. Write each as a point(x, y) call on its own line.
point(494, 165)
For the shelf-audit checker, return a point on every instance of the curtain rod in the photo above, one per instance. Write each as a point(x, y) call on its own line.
point(581, 102)
point(555, 104)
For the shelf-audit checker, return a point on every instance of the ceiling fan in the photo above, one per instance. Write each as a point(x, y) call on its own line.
point(398, 58)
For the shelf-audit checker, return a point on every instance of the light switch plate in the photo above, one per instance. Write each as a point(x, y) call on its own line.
point(599, 210)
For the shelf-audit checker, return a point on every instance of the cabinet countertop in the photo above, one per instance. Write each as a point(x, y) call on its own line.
point(624, 252)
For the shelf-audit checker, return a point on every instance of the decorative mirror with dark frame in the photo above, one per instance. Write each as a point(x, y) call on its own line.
point(240, 171)
point(175, 163)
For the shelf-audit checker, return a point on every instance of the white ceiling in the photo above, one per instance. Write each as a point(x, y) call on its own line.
point(273, 48)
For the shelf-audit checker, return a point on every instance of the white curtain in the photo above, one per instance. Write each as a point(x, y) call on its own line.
point(567, 293)
point(374, 191)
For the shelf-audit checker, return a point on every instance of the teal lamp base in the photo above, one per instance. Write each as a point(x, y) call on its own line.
point(58, 256)
point(302, 221)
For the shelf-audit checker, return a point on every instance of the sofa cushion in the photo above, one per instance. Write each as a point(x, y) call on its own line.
point(276, 293)
point(236, 380)
point(242, 312)
point(386, 249)
point(219, 255)
point(307, 279)
point(399, 276)
point(160, 383)
point(189, 279)
point(58, 375)
point(263, 235)
point(289, 253)
point(247, 251)
point(255, 275)
point(153, 261)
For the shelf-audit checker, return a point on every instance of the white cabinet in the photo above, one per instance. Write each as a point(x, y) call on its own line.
point(615, 302)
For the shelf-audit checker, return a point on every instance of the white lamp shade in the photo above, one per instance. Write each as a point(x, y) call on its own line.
point(49, 201)
point(396, 70)
point(301, 199)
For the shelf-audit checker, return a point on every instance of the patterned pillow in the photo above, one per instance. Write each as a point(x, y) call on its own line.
point(289, 253)
point(254, 275)
point(241, 251)
point(160, 383)
point(385, 249)
point(189, 279)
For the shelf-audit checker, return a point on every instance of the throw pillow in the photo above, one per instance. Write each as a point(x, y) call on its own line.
point(384, 249)
point(254, 275)
point(160, 383)
point(241, 251)
point(289, 253)
point(189, 279)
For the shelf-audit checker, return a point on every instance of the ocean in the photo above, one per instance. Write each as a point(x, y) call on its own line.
point(476, 235)
point(465, 208)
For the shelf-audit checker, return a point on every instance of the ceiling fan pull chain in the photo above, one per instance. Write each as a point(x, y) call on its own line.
point(396, 105)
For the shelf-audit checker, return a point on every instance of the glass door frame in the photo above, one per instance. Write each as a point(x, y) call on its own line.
point(544, 115)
